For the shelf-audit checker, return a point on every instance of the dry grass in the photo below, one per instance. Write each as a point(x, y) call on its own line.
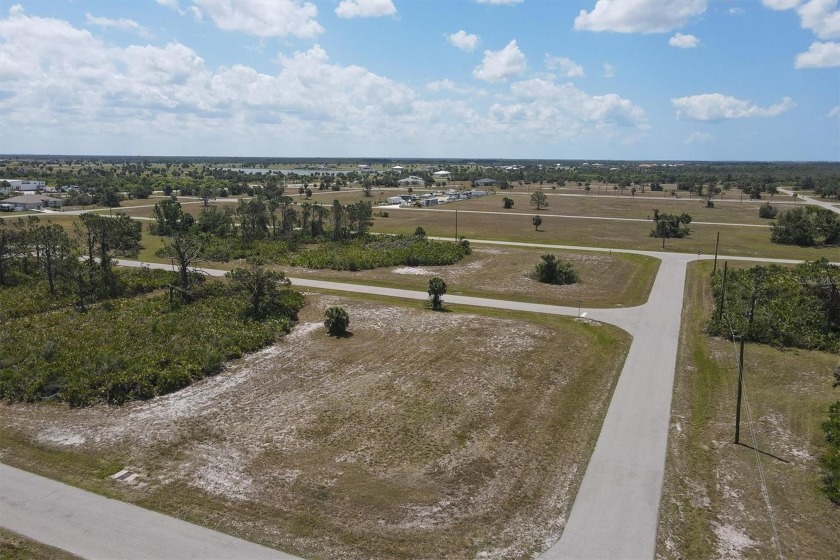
point(712, 505)
point(734, 240)
point(18, 547)
point(424, 435)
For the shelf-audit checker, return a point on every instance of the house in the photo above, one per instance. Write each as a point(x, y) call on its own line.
point(397, 169)
point(395, 200)
point(441, 176)
point(486, 182)
point(26, 185)
point(411, 181)
point(32, 202)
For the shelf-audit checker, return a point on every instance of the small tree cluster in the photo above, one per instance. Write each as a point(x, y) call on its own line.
point(667, 226)
point(553, 271)
point(806, 226)
point(767, 211)
point(507, 202)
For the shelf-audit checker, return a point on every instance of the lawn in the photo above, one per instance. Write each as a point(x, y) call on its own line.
point(422, 435)
point(17, 547)
point(712, 503)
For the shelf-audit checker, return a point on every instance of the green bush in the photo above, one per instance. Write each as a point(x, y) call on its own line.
point(131, 348)
point(552, 271)
point(378, 252)
point(336, 319)
point(767, 211)
point(830, 461)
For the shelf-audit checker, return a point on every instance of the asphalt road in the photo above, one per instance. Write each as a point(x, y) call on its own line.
point(94, 527)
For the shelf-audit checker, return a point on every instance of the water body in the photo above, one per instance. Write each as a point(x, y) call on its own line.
point(301, 172)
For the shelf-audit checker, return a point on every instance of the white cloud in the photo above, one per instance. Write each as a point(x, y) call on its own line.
point(498, 2)
point(497, 66)
point(834, 112)
point(171, 4)
point(448, 85)
point(821, 17)
point(365, 8)
point(566, 66)
point(542, 107)
point(819, 55)
point(684, 41)
point(196, 13)
point(609, 70)
point(718, 107)
point(698, 138)
point(463, 40)
point(264, 18)
point(780, 4)
point(735, 11)
point(122, 23)
point(639, 16)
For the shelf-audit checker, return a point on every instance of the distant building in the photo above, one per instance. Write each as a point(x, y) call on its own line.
point(32, 202)
point(486, 182)
point(441, 175)
point(26, 185)
point(411, 181)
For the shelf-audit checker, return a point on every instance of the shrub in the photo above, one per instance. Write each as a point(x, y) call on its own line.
point(336, 319)
point(767, 211)
point(437, 289)
point(507, 202)
point(830, 461)
point(552, 271)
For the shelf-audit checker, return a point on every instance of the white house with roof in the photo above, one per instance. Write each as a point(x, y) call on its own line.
point(26, 185)
point(440, 176)
point(30, 202)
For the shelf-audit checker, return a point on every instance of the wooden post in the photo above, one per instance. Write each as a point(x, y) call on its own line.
point(741, 367)
point(717, 244)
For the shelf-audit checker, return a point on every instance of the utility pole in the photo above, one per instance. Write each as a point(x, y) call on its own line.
point(456, 224)
point(741, 367)
point(717, 244)
point(723, 294)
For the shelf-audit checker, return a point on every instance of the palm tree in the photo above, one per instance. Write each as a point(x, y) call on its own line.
point(336, 320)
point(437, 288)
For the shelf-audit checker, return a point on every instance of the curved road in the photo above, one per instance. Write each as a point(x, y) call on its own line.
point(615, 511)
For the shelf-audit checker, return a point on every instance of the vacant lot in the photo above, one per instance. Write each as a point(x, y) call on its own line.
point(515, 225)
point(424, 435)
point(712, 505)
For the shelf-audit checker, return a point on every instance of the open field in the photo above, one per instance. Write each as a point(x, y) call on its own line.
point(423, 435)
point(712, 504)
point(734, 240)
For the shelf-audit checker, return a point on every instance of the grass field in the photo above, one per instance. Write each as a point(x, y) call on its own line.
point(18, 547)
point(424, 435)
point(712, 504)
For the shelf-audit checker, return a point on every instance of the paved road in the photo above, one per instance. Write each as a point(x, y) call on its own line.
point(814, 201)
point(91, 526)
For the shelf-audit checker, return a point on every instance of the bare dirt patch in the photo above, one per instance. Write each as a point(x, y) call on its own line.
point(423, 435)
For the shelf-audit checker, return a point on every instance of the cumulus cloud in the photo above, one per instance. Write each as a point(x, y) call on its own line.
point(819, 55)
point(698, 138)
point(147, 99)
point(498, 2)
point(264, 18)
point(609, 70)
point(639, 16)
point(122, 23)
point(684, 41)
point(567, 67)
point(834, 112)
point(719, 107)
point(463, 40)
point(821, 17)
point(448, 85)
point(497, 66)
point(543, 107)
point(365, 8)
point(171, 4)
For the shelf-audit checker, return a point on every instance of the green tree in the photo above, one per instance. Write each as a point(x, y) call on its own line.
point(806, 226)
point(437, 289)
point(169, 218)
point(537, 221)
point(419, 232)
point(336, 319)
point(217, 221)
point(667, 226)
point(553, 271)
point(830, 460)
point(507, 202)
point(261, 287)
point(253, 220)
point(106, 238)
point(767, 211)
point(539, 200)
point(53, 248)
point(207, 193)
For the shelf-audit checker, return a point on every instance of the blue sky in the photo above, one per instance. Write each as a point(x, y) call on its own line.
point(593, 79)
